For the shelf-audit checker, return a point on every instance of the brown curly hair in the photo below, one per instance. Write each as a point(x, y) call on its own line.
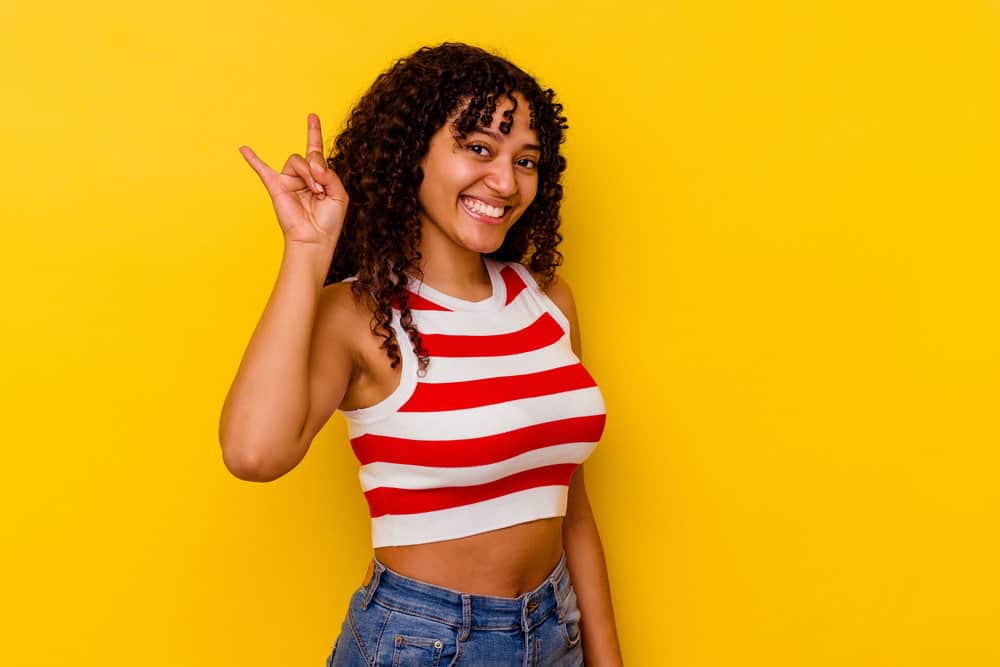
point(377, 157)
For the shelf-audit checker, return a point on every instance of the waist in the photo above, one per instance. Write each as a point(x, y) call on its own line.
point(500, 563)
point(397, 591)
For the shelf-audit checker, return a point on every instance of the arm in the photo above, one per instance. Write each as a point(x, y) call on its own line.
point(296, 368)
point(582, 542)
point(294, 373)
point(589, 573)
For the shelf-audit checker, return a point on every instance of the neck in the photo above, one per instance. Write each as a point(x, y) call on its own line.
point(451, 268)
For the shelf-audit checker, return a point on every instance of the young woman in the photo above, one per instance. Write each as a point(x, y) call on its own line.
point(418, 295)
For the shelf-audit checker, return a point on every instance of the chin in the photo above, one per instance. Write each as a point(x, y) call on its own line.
point(484, 248)
point(485, 244)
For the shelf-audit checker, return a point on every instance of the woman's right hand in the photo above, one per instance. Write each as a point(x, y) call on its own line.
point(308, 197)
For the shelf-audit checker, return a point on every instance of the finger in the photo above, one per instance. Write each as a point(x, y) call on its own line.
point(319, 170)
point(327, 177)
point(315, 141)
point(314, 151)
point(297, 166)
point(258, 165)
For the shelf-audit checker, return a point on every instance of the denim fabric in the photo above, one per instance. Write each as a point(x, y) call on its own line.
point(398, 621)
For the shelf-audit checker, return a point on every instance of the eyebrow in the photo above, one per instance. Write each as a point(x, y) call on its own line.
point(496, 137)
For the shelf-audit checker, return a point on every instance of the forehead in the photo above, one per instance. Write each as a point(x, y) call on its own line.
point(516, 127)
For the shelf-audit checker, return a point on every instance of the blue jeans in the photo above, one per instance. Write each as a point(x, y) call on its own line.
point(398, 621)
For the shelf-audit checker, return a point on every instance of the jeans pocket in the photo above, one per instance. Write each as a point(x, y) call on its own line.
point(416, 641)
point(569, 618)
point(416, 651)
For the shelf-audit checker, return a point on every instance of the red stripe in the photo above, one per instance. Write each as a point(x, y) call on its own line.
point(477, 451)
point(435, 396)
point(388, 500)
point(513, 282)
point(417, 302)
point(540, 333)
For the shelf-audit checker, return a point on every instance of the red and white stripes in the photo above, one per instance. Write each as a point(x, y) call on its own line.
point(491, 435)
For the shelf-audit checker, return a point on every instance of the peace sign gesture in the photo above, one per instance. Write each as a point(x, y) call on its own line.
point(307, 195)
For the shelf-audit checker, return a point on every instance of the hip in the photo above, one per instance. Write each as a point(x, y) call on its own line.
point(398, 620)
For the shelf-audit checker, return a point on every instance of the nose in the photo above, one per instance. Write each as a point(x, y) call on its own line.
point(501, 179)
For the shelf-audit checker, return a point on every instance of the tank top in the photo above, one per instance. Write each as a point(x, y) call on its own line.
point(491, 434)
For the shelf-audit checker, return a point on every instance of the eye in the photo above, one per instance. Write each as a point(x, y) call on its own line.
point(528, 163)
point(478, 149)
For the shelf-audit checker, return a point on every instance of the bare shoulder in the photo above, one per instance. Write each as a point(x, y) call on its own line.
point(559, 291)
point(339, 298)
point(561, 294)
point(344, 321)
point(341, 315)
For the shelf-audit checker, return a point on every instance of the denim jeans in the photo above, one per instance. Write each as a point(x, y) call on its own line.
point(398, 621)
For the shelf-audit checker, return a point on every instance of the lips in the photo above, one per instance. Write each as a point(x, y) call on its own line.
point(482, 217)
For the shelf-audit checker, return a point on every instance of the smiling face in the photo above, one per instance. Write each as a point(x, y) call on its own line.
point(475, 189)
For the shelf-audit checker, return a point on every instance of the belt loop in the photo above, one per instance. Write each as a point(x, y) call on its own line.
point(377, 571)
point(466, 617)
point(562, 575)
point(556, 575)
point(555, 594)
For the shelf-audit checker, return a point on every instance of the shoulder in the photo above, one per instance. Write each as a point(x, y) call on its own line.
point(561, 295)
point(558, 290)
point(341, 315)
point(340, 298)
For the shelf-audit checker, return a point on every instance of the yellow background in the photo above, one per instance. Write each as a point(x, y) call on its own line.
point(781, 229)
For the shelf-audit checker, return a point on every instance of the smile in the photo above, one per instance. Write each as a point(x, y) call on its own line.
point(482, 211)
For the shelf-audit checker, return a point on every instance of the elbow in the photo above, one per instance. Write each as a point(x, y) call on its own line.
point(248, 464)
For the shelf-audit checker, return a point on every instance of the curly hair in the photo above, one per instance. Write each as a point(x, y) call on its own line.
point(377, 157)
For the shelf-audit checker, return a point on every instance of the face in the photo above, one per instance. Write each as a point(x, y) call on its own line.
point(475, 189)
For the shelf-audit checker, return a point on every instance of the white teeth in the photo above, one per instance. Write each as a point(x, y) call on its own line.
point(481, 207)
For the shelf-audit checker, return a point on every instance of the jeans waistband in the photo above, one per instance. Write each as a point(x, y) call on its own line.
point(465, 610)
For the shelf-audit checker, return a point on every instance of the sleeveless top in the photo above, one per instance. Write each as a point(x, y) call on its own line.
point(491, 434)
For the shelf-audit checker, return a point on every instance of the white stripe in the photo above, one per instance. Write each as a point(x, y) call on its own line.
point(485, 420)
point(518, 507)
point(458, 369)
point(540, 295)
point(404, 476)
point(517, 315)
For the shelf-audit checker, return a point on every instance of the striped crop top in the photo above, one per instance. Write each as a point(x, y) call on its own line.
point(491, 435)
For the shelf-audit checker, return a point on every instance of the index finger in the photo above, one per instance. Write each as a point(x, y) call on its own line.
point(315, 142)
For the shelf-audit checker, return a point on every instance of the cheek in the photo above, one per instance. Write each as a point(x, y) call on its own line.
point(529, 189)
point(424, 197)
point(433, 194)
point(445, 185)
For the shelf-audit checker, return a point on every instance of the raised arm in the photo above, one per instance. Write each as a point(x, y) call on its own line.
point(277, 401)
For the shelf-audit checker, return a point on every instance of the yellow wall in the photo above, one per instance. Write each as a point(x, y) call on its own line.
point(781, 228)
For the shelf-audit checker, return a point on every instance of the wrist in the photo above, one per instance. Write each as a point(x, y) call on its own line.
point(317, 257)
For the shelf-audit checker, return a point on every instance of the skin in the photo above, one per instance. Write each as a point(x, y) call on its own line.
point(348, 369)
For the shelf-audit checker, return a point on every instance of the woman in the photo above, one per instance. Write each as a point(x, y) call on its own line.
point(402, 301)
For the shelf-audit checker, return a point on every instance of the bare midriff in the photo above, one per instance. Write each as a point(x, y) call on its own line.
point(503, 563)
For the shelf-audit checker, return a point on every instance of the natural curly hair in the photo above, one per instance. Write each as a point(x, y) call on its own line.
point(377, 157)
